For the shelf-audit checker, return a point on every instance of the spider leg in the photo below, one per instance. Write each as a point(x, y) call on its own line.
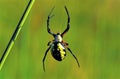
point(65, 44)
point(49, 43)
point(48, 20)
point(68, 22)
point(45, 57)
point(74, 57)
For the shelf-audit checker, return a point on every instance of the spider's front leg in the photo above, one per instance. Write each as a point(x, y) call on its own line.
point(68, 22)
point(48, 20)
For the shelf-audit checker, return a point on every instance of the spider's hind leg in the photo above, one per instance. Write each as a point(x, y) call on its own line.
point(45, 57)
point(74, 56)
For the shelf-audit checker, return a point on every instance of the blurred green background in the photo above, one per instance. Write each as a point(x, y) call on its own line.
point(94, 37)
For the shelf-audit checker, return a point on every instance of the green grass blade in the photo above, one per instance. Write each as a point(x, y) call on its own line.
point(16, 32)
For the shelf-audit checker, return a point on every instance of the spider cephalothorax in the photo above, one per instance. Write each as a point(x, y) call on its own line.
point(58, 46)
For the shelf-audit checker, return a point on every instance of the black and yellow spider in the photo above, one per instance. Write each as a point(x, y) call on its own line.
point(58, 46)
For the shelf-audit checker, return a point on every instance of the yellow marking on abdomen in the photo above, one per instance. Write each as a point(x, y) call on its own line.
point(61, 49)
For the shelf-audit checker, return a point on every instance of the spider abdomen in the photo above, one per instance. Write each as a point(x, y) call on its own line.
point(58, 51)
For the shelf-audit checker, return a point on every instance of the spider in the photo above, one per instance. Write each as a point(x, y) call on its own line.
point(58, 46)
